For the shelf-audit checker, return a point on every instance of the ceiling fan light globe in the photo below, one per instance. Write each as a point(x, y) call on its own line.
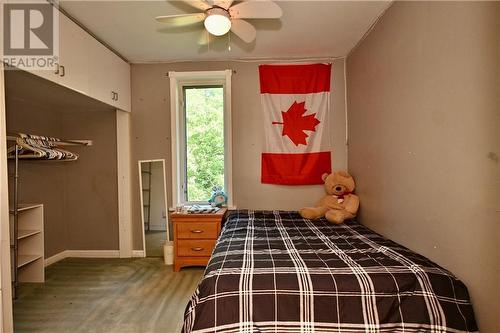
point(217, 22)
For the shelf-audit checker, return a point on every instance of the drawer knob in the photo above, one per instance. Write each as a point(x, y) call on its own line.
point(197, 249)
point(196, 231)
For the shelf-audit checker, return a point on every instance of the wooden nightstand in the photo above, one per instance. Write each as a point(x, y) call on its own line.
point(194, 237)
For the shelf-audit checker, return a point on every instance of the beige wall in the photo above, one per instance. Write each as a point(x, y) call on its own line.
point(150, 125)
point(424, 119)
point(79, 197)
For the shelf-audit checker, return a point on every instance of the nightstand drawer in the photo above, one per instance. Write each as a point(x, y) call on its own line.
point(195, 248)
point(194, 237)
point(190, 230)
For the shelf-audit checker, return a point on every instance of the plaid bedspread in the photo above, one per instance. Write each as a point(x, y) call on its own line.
point(276, 272)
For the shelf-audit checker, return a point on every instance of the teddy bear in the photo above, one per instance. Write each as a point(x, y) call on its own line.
point(339, 203)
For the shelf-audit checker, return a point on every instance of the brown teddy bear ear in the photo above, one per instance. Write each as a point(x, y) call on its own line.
point(324, 176)
point(343, 174)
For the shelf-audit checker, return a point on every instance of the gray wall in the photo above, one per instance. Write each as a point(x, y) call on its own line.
point(40, 182)
point(79, 197)
point(150, 126)
point(92, 182)
point(424, 119)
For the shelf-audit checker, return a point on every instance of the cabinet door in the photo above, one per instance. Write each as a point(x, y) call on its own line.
point(48, 74)
point(109, 77)
point(101, 73)
point(120, 71)
point(73, 56)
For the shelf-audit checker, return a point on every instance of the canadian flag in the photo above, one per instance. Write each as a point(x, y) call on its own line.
point(295, 101)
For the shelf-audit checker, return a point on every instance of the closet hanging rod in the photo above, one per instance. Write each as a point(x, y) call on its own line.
point(37, 159)
point(61, 142)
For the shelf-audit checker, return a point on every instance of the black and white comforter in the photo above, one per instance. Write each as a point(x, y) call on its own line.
point(276, 272)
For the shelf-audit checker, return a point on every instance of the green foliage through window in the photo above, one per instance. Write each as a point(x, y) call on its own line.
point(204, 108)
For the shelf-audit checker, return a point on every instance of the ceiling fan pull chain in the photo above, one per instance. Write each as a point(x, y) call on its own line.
point(229, 41)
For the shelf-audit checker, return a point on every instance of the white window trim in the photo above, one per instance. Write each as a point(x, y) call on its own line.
point(177, 80)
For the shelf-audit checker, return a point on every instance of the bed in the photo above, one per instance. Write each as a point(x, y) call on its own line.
point(273, 271)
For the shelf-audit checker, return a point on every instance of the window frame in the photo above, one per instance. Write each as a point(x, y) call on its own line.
point(178, 81)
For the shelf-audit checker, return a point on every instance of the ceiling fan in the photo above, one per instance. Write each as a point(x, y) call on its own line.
point(220, 17)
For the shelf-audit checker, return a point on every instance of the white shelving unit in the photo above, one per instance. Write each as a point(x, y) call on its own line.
point(30, 260)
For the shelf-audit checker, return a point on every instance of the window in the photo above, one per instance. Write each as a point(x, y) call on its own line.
point(203, 149)
point(201, 135)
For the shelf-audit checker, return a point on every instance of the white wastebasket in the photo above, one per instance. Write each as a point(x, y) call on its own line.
point(168, 252)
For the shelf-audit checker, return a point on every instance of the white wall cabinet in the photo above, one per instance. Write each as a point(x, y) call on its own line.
point(101, 77)
point(109, 78)
point(121, 84)
point(87, 66)
point(73, 71)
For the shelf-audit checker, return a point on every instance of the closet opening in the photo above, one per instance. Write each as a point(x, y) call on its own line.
point(64, 203)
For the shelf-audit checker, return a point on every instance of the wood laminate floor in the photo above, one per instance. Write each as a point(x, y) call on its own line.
point(139, 295)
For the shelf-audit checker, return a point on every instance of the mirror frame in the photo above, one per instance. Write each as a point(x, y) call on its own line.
point(167, 219)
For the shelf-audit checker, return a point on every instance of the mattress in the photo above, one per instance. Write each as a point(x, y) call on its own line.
point(273, 271)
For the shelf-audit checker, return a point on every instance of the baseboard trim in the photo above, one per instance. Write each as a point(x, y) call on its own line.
point(55, 258)
point(138, 254)
point(83, 254)
point(93, 253)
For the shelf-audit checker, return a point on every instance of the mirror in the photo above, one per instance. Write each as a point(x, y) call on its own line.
point(154, 207)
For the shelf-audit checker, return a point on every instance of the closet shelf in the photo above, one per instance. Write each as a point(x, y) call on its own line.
point(26, 259)
point(23, 233)
point(25, 207)
point(29, 243)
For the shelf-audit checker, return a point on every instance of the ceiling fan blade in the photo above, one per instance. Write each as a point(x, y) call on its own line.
point(223, 3)
point(182, 19)
point(243, 30)
point(256, 9)
point(204, 38)
point(198, 4)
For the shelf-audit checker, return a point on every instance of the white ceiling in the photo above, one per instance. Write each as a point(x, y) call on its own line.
point(307, 29)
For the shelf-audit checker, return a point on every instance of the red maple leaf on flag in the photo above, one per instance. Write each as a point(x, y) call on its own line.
point(295, 123)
